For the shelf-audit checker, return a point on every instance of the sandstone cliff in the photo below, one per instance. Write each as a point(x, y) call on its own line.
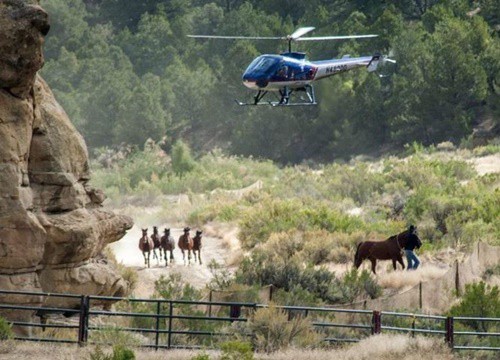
point(52, 227)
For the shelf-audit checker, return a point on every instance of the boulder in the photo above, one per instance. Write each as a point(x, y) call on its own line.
point(52, 226)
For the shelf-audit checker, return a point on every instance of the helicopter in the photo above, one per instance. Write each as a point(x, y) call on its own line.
point(289, 73)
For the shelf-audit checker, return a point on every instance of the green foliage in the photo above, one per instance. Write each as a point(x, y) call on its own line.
point(274, 331)
point(119, 353)
point(355, 284)
point(201, 356)
point(173, 287)
point(478, 300)
point(129, 73)
point(182, 162)
point(5, 329)
point(274, 216)
point(114, 335)
point(236, 350)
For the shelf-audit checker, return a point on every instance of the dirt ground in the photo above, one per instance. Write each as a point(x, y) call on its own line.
point(213, 249)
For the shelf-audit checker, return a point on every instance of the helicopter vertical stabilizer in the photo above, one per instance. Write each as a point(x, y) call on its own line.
point(373, 64)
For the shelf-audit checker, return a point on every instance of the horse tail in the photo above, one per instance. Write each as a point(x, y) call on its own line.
point(356, 256)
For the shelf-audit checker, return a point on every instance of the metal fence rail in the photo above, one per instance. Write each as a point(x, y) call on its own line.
point(168, 324)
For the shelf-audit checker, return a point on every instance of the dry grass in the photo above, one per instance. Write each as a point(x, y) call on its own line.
point(380, 347)
point(228, 234)
point(401, 279)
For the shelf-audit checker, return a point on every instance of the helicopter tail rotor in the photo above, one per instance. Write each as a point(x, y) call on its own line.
point(373, 64)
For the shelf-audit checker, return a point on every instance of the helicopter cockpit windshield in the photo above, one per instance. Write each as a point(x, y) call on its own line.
point(264, 64)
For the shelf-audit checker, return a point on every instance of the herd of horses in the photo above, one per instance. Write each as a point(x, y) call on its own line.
point(186, 243)
point(390, 249)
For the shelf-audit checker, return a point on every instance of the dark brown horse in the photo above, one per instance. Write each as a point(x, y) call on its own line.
point(390, 249)
point(155, 237)
point(146, 246)
point(167, 243)
point(197, 245)
point(186, 244)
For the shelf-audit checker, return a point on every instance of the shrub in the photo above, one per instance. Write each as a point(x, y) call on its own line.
point(274, 216)
point(236, 350)
point(114, 335)
point(273, 331)
point(182, 162)
point(356, 284)
point(284, 272)
point(478, 300)
point(5, 329)
point(201, 356)
point(296, 296)
point(119, 353)
point(173, 287)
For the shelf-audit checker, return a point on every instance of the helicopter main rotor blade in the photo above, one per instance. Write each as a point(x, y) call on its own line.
point(300, 31)
point(238, 37)
point(342, 37)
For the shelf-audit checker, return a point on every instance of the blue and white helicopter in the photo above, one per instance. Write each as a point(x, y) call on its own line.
point(290, 72)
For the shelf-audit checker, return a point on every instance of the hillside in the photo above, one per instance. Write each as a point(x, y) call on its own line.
point(128, 73)
point(306, 222)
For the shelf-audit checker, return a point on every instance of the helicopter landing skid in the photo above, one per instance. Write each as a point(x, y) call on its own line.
point(285, 97)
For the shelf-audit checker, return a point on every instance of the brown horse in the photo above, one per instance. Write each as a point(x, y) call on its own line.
point(156, 242)
point(389, 249)
point(167, 243)
point(197, 245)
point(186, 243)
point(145, 245)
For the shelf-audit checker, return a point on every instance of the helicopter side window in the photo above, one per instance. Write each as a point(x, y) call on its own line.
point(283, 71)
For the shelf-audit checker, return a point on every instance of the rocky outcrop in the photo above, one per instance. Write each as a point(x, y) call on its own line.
point(52, 226)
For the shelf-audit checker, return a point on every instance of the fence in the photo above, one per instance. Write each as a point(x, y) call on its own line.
point(193, 324)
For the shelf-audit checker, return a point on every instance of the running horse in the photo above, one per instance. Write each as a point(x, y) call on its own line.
point(167, 243)
point(186, 244)
point(155, 237)
point(146, 245)
point(389, 249)
point(197, 245)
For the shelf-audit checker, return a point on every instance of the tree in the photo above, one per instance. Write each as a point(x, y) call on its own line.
point(479, 300)
point(182, 162)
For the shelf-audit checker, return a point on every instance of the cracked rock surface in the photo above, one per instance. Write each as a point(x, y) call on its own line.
point(52, 225)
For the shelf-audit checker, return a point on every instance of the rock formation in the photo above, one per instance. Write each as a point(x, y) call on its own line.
point(52, 226)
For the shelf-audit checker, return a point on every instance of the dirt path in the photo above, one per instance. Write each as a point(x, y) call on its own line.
point(487, 164)
point(127, 252)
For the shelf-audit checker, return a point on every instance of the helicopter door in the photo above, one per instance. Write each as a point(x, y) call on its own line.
point(285, 73)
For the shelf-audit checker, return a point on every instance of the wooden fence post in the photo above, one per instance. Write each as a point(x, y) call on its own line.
point(158, 311)
point(420, 300)
point(83, 323)
point(376, 322)
point(170, 314)
point(449, 331)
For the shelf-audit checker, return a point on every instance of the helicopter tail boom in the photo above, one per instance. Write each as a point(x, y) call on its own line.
point(374, 62)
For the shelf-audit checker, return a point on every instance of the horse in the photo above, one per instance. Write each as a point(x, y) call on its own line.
point(145, 245)
point(167, 243)
point(156, 242)
point(389, 249)
point(197, 245)
point(186, 243)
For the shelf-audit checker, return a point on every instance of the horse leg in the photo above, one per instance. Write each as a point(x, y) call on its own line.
point(145, 260)
point(400, 260)
point(189, 257)
point(394, 264)
point(183, 257)
point(199, 256)
point(149, 257)
point(171, 255)
point(374, 265)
